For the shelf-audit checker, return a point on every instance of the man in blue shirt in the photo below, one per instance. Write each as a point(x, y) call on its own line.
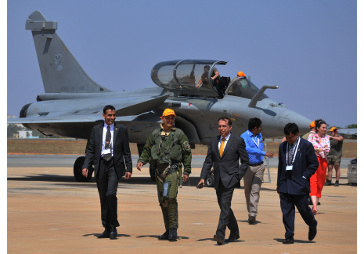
point(254, 176)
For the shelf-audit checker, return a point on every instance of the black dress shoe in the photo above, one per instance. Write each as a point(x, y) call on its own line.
point(288, 241)
point(219, 240)
point(164, 236)
point(105, 234)
point(113, 233)
point(172, 236)
point(251, 220)
point(312, 231)
point(233, 237)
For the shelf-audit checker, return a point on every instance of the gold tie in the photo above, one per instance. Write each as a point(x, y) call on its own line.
point(222, 146)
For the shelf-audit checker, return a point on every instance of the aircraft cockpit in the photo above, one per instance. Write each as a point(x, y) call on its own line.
point(190, 77)
point(196, 78)
point(243, 87)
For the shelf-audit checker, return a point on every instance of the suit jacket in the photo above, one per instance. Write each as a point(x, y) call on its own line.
point(227, 167)
point(121, 149)
point(305, 165)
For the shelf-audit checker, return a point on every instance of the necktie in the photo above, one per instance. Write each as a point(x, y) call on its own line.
point(222, 146)
point(107, 157)
point(108, 138)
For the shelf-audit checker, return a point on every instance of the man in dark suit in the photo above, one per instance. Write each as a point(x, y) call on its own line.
point(108, 150)
point(297, 163)
point(223, 154)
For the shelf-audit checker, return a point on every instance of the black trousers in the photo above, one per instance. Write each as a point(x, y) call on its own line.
point(288, 202)
point(227, 217)
point(107, 184)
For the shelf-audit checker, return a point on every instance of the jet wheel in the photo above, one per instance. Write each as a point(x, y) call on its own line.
point(77, 170)
point(210, 180)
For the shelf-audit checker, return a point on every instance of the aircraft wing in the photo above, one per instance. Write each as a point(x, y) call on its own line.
point(123, 108)
point(348, 133)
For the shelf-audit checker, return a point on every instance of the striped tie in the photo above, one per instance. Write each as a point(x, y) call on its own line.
point(108, 156)
point(222, 146)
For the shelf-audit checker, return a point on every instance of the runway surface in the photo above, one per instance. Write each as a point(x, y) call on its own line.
point(48, 212)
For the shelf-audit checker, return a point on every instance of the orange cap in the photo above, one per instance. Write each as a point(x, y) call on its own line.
point(168, 112)
point(333, 129)
point(312, 124)
point(241, 74)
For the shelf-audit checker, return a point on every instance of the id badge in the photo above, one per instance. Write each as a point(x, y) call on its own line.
point(289, 167)
point(106, 151)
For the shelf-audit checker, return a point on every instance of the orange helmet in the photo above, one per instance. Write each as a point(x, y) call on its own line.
point(312, 124)
point(241, 74)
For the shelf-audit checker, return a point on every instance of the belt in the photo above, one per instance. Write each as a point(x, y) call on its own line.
point(107, 158)
point(256, 164)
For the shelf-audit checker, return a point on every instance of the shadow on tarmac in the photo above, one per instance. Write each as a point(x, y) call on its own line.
point(96, 235)
point(156, 236)
point(295, 240)
point(193, 181)
point(226, 241)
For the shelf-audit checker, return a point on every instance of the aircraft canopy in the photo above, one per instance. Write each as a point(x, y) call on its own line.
point(189, 77)
point(243, 87)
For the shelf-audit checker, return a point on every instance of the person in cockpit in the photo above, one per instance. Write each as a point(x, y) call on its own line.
point(214, 76)
point(240, 74)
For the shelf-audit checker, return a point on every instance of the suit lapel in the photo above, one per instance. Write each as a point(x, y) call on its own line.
point(299, 150)
point(116, 128)
point(99, 139)
point(215, 145)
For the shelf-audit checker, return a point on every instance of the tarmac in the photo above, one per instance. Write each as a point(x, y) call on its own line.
point(49, 212)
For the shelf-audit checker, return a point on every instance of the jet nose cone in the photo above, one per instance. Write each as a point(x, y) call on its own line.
point(302, 122)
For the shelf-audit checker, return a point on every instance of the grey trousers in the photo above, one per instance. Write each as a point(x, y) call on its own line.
point(253, 179)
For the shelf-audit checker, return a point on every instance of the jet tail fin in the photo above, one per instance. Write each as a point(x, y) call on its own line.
point(61, 73)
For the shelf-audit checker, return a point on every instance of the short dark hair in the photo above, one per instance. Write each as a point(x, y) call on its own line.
point(290, 128)
point(108, 107)
point(318, 123)
point(224, 118)
point(254, 122)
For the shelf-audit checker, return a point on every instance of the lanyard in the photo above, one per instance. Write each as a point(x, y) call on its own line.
point(295, 152)
point(256, 140)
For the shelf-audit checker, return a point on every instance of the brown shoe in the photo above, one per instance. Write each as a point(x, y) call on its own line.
point(251, 220)
point(219, 240)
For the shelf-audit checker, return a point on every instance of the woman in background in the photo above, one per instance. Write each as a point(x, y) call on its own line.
point(321, 144)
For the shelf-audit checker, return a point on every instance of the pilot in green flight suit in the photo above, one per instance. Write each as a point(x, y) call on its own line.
point(166, 149)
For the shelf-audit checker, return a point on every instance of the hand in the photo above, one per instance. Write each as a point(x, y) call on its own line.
point(277, 189)
point(140, 165)
point(185, 178)
point(127, 175)
point(270, 155)
point(202, 182)
point(85, 172)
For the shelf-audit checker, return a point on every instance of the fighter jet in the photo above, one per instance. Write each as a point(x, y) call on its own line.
point(72, 103)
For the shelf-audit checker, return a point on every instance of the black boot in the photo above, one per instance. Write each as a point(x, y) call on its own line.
point(164, 236)
point(172, 234)
point(105, 234)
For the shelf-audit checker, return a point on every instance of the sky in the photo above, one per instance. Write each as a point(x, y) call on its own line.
point(307, 48)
